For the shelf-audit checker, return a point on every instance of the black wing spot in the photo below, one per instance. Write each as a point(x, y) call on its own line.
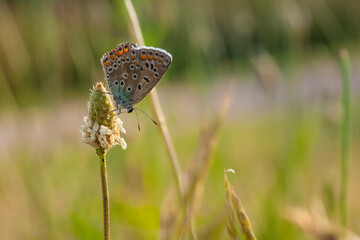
point(146, 79)
point(129, 89)
point(139, 87)
point(122, 83)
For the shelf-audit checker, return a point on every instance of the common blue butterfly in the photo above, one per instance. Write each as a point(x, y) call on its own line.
point(131, 72)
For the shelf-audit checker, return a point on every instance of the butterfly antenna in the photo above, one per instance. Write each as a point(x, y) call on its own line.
point(137, 118)
point(146, 115)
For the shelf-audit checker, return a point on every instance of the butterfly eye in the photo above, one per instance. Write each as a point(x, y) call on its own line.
point(116, 83)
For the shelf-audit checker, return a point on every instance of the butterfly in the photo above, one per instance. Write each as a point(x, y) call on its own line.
point(131, 72)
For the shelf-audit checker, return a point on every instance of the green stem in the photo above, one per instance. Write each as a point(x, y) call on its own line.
point(105, 192)
point(345, 68)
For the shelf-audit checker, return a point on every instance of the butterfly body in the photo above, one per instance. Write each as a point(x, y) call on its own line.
point(131, 72)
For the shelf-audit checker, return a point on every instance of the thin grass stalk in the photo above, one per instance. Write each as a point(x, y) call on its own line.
point(105, 192)
point(231, 226)
point(345, 69)
point(155, 104)
point(245, 224)
point(207, 147)
point(234, 204)
point(203, 161)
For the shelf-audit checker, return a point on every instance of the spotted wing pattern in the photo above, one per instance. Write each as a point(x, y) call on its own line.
point(132, 71)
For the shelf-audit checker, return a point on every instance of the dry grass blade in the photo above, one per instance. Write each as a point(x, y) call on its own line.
point(201, 165)
point(155, 104)
point(315, 222)
point(245, 224)
point(229, 206)
point(208, 143)
point(234, 204)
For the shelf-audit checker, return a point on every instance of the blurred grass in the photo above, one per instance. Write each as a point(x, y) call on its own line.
point(51, 49)
point(43, 191)
point(345, 150)
point(281, 137)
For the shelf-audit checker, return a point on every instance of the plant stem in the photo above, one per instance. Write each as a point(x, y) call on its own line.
point(105, 192)
point(345, 68)
point(155, 104)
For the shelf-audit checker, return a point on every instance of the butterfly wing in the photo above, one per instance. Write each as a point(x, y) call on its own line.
point(153, 63)
point(116, 66)
point(132, 71)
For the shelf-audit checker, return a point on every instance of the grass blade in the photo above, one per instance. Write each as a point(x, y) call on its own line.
point(345, 69)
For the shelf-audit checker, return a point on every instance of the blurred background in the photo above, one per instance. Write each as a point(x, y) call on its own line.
point(282, 133)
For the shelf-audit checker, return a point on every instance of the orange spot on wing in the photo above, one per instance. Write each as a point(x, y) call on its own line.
point(143, 57)
point(155, 58)
point(118, 54)
point(112, 57)
point(160, 59)
point(137, 64)
point(126, 50)
point(106, 63)
point(133, 56)
point(149, 57)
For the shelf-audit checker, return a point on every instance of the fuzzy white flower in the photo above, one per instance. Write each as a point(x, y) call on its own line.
point(100, 128)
